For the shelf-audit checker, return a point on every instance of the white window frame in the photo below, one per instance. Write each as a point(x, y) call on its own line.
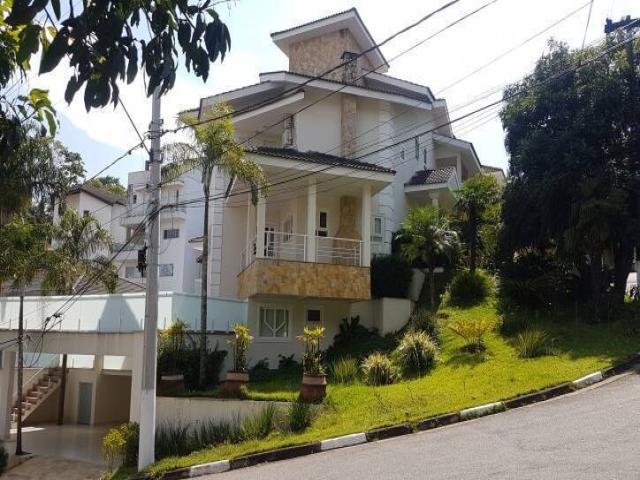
point(164, 265)
point(275, 306)
point(166, 237)
point(314, 307)
point(375, 237)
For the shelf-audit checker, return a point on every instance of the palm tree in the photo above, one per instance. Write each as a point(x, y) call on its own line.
point(427, 240)
point(477, 204)
point(213, 149)
point(25, 253)
point(79, 241)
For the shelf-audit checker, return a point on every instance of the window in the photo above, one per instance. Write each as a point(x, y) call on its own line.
point(323, 225)
point(274, 322)
point(171, 233)
point(424, 157)
point(314, 315)
point(401, 154)
point(287, 228)
point(166, 269)
point(86, 213)
point(134, 199)
point(377, 230)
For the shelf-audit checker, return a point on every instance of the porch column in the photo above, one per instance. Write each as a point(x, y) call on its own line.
point(435, 199)
point(366, 225)
point(261, 222)
point(7, 373)
point(459, 168)
point(248, 235)
point(312, 198)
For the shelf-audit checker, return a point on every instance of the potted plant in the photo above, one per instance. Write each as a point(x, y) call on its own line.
point(314, 379)
point(171, 346)
point(239, 376)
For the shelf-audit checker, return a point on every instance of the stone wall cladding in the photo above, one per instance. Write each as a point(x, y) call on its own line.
point(316, 280)
point(316, 55)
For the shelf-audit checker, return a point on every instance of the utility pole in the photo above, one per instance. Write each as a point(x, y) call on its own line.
point(146, 448)
point(19, 450)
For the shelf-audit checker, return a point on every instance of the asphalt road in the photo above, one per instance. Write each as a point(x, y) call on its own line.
point(590, 434)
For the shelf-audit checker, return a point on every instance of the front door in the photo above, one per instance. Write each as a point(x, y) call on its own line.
point(85, 392)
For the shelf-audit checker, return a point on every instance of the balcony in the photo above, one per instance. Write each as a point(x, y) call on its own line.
point(137, 213)
point(304, 265)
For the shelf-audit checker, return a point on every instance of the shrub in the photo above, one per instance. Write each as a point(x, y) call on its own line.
point(426, 321)
point(344, 370)
point(4, 459)
point(120, 445)
point(468, 287)
point(512, 324)
point(472, 332)
point(173, 439)
point(312, 358)
point(260, 425)
point(378, 369)
point(531, 343)
point(356, 341)
point(390, 276)
point(416, 352)
point(187, 361)
point(240, 344)
point(300, 416)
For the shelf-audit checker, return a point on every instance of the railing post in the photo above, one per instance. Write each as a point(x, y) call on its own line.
point(261, 223)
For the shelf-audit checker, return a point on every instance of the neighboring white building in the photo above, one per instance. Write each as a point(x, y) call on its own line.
point(344, 167)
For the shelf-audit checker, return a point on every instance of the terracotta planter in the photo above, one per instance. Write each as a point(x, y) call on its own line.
point(235, 380)
point(314, 387)
point(171, 384)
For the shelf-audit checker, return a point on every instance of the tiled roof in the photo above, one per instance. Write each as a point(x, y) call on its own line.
point(337, 14)
point(431, 177)
point(321, 158)
point(100, 194)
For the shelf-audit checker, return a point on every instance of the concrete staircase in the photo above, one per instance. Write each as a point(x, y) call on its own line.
point(37, 392)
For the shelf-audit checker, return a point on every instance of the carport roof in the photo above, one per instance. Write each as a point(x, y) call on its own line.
point(431, 177)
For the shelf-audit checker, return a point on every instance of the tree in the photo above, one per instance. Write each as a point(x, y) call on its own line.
point(79, 241)
point(37, 175)
point(110, 184)
point(428, 241)
point(106, 44)
point(574, 159)
point(213, 149)
point(477, 206)
point(25, 253)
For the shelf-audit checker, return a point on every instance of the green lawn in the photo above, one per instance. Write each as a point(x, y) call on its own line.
point(459, 381)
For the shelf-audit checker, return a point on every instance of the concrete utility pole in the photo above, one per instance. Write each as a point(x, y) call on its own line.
point(146, 448)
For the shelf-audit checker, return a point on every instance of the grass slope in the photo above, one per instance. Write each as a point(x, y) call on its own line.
point(459, 381)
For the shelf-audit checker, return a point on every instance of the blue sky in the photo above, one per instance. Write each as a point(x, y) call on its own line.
point(100, 136)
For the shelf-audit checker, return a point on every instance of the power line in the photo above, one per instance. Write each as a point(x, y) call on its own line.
point(586, 28)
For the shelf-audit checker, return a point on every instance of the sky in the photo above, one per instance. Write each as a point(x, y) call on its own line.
point(102, 135)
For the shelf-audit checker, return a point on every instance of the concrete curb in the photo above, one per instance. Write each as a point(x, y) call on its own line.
point(341, 442)
point(482, 410)
point(396, 430)
point(587, 380)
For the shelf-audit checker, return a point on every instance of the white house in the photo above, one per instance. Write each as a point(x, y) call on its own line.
point(347, 156)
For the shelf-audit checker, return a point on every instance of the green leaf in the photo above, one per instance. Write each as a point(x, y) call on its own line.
point(52, 122)
point(28, 43)
point(55, 4)
point(52, 55)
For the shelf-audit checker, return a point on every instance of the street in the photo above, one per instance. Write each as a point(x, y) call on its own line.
point(591, 434)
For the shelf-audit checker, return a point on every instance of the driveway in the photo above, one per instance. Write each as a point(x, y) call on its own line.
point(591, 434)
point(49, 468)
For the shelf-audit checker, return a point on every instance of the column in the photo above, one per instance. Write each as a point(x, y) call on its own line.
point(7, 373)
point(136, 379)
point(435, 199)
point(431, 152)
point(459, 168)
point(261, 222)
point(366, 225)
point(250, 218)
point(312, 214)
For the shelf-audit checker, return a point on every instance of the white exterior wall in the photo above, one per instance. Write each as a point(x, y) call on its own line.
point(318, 127)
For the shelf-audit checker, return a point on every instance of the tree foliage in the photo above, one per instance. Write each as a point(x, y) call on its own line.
point(109, 184)
point(575, 163)
point(477, 210)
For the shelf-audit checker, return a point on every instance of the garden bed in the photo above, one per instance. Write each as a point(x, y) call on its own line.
point(460, 380)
